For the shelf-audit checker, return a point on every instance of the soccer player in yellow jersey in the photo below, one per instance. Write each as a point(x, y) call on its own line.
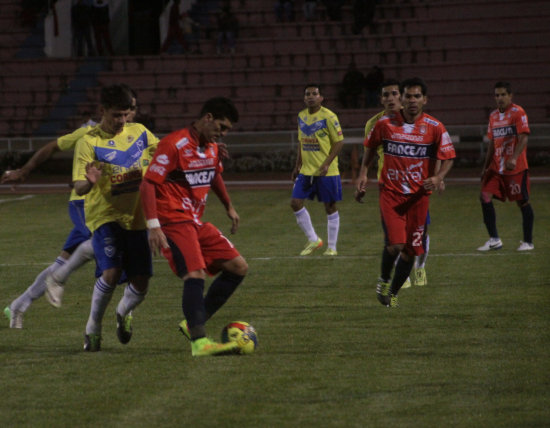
point(77, 249)
point(109, 164)
point(316, 172)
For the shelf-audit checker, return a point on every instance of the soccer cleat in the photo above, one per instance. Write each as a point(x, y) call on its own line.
point(15, 317)
point(383, 292)
point(124, 328)
point(205, 347)
point(311, 246)
point(54, 291)
point(491, 244)
point(393, 301)
point(407, 283)
point(184, 328)
point(92, 342)
point(420, 278)
point(525, 246)
point(330, 252)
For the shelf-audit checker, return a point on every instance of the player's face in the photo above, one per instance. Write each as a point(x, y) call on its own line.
point(313, 98)
point(413, 101)
point(390, 98)
point(502, 98)
point(215, 129)
point(113, 119)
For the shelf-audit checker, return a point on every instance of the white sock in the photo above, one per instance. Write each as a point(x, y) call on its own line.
point(101, 297)
point(420, 261)
point(333, 226)
point(83, 253)
point(304, 221)
point(130, 299)
point(37, 288)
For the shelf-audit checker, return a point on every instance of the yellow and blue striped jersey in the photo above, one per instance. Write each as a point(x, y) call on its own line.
point(368, 128)
point(125, 158)
point(317, 133)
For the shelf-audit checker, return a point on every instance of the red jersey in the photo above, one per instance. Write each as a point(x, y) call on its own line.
point(410, 151)
point(504, 129)
point(183, 172)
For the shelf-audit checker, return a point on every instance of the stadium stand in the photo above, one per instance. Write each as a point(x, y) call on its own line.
point(460, 47)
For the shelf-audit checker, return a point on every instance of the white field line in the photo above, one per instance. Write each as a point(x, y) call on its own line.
point(263, 259)
point(22, 198)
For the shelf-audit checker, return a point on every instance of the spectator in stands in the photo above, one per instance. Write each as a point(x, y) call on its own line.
point(363, 14)
point(81, 21)
point(284, 10)
point(175, 31)
point(101, 20)
point(373, 80)
point(334, 9)
point(310, 10)
point(228, 29)
point(352, 87)
point(191, 33)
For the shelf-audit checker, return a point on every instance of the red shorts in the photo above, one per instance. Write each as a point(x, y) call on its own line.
point(196, 247)
point(404, 219)
point(513, 187)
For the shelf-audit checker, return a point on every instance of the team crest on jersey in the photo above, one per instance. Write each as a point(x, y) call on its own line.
point(422, 129)
point(130, 138)
point(111, 143)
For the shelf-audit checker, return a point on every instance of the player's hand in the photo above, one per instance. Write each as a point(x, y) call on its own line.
point(432, 183)
point(13, 176)
point(294, 174)
point(93, 172)
point(157, 240)
point(323, 169)
point(232, 214)
point(441, 188)
point(223, 153)
point(361, 189)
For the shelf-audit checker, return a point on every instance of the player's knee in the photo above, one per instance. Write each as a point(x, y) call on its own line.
point(394, 249)
point(522, 203)
point(485, 197)
point(239, 266)
point(140, 284)
point(296, 204)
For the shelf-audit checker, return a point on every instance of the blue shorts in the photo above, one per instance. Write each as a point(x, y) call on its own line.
point(115, 247)
point(80, 232)
point(327, 189)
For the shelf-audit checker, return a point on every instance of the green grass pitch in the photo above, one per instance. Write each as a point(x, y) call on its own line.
point(471, 349)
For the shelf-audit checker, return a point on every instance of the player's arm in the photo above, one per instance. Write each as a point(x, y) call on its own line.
point(298, 164)
point(218, 186)
point(157, 238)
point(38, 158)
point(434, 182)
point(335, 149)
point(520, 146)
point(368, 156)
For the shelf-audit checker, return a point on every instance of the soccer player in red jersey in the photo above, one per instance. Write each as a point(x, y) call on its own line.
point(414, 142)
point(505, 171)
point(174, 192)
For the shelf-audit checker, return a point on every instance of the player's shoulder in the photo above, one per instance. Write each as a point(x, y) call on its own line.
point(327, 112)
point(178, 138)
point(430, 120)
point(517, 109)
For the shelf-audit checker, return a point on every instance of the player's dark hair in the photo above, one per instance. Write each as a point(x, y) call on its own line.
point(117, 96)
point(505, 85)
point(389, 82)
point(312, 85)
point(221, 108)
point(414, 81)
